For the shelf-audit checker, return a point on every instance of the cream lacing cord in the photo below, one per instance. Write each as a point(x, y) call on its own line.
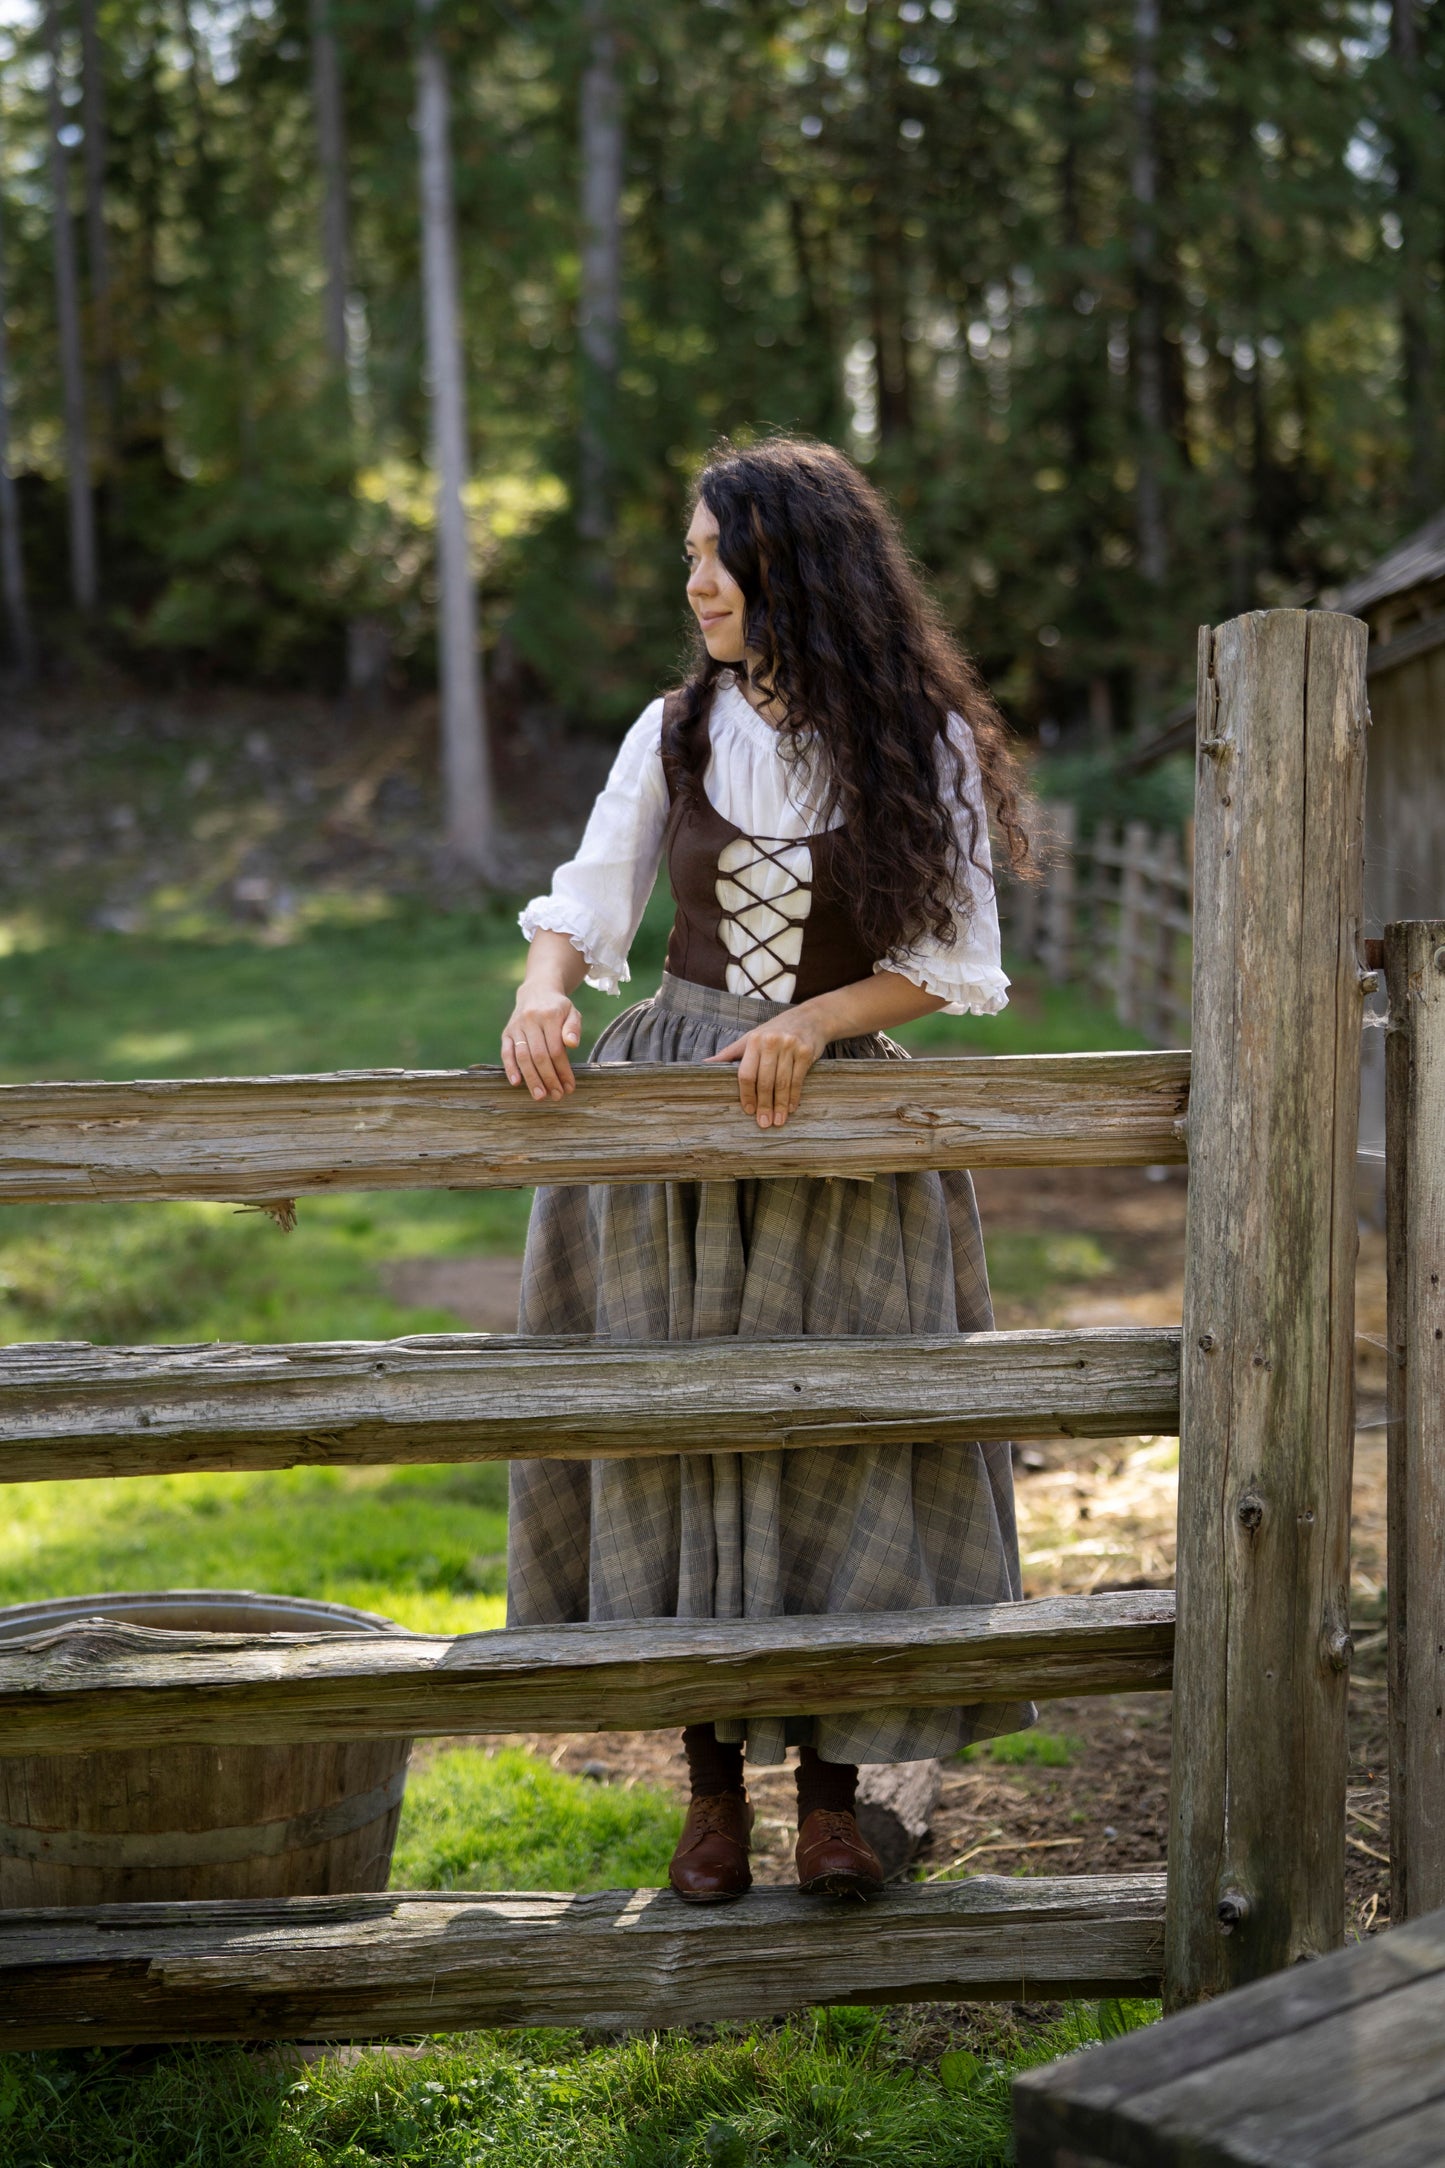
point(783, 913)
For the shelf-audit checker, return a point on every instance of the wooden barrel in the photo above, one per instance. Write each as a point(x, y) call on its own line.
point(198, 1821)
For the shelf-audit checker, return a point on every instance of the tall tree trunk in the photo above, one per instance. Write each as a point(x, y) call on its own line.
point(12, 561)
point(331, 153)
point(92, 76)
point(72, 360)
point(1146, 340)
point(884, 249)
point(599, 315)
point(147, 182)
point(1415, 344)
point(828, 416)
point(1077, 396)
point(368, 649)
point(470, 819)
point(885, 304)
point(1065, 62)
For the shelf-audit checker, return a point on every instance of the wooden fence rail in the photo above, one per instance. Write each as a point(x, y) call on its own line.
point(88, 1411)
point(340, 1968)
point(272, 1137)
point(95, 1684)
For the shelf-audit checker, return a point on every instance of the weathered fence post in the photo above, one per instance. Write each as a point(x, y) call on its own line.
point(1415, 1236)
point(1256, 1847)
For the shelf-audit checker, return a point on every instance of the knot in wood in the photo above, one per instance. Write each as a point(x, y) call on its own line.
point(1438, 960)
point(920, 1117)
point(1339, 1648)
point(1250, 1511)
point(1232, 1910)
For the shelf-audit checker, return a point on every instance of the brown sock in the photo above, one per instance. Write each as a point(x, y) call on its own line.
point(832, 1784)
point(712, 1766)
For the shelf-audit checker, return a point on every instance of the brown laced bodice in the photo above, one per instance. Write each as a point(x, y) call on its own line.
point(787, 946)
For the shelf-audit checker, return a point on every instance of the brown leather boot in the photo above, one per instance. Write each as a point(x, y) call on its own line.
point(835, 1859)
point(710, 1865)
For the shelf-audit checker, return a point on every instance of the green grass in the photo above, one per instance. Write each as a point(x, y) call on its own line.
point(510, 1821)
point(1040, 1019)
point(411, 989)
point(1028, 1750)
point(424, 1546)
point(1024, 1264)
point(831, 2091)
point(118, 1273)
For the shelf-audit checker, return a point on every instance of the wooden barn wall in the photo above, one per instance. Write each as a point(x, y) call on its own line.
point(1405, 794)
point(1404, 830)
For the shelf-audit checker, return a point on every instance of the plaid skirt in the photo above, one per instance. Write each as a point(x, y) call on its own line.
point(846, 1528)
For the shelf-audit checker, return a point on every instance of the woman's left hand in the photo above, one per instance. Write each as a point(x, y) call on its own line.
point(773, 1059)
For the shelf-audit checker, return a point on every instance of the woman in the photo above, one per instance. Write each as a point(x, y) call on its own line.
point(818, 790)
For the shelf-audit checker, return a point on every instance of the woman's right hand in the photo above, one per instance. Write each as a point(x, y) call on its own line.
point(543, 1025)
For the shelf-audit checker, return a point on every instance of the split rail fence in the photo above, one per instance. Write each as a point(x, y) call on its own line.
point(1113, 912)
point(1258, 1383)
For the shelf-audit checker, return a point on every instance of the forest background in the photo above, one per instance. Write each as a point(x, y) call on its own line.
point(1134, 308)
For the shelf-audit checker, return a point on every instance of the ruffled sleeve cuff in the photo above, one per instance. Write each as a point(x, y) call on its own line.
point(606, 964)
point(964, 989)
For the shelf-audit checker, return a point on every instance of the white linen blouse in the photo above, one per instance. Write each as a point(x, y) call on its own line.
point(597, 899)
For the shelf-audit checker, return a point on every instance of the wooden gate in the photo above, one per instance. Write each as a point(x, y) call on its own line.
point(1259, 1384)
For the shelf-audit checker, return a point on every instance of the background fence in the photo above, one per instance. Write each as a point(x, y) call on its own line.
point(1114, 912)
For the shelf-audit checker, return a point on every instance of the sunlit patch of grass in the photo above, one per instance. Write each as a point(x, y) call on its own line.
point(1022, 1263)
point(22, 932)
point(408, 989)
point(137, 1051)
point(1027, 1750)
point(424, 1546)
point(509, 1821)
point(122, 1274)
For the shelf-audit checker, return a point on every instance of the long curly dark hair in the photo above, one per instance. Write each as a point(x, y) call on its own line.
point(852, 647)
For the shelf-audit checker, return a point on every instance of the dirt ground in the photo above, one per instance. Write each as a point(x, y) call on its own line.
point(1092, 1515)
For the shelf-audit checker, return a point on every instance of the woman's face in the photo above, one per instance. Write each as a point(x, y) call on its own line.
point(715, 598)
